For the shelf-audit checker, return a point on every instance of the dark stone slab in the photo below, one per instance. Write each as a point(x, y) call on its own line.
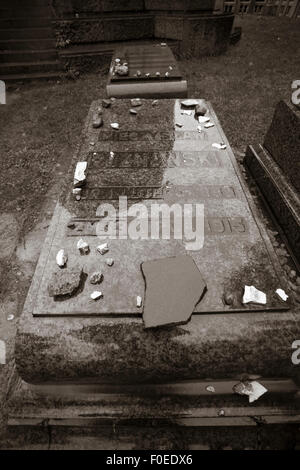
point(200, 35)
point(283, 199)
point(82, 340)
point(173, 287)
point(283, 140)
point(143, 60)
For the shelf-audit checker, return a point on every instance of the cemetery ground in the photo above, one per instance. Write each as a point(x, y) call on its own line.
point(41, 125)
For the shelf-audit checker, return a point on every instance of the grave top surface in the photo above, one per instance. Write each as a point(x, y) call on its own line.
point(148, 59)
point(157, 161)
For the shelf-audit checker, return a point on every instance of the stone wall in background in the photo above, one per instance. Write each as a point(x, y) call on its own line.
point(198, 24)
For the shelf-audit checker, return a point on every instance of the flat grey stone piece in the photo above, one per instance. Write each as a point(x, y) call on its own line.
point(65, 282)
point(174, 286)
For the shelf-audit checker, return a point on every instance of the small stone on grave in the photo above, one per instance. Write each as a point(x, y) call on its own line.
point(65, 283)
point(136, 102)
point(61, 258)
point(115, 125)
point(83, 247)
point(80, 176)
point(110, 261)
point(96, 277)
point(103, 248)
point(96, 295)
point(106, 103)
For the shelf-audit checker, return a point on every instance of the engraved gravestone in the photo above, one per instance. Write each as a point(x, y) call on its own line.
point(154, 162)
point(156, 157)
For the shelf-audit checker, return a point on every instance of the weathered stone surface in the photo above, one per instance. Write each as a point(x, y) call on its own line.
point(65, 282)
point(105, 341)
point(283, 140)
point(278, 191)
point(174, 286)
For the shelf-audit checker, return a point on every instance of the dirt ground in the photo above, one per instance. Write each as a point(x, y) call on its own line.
point(40, 129)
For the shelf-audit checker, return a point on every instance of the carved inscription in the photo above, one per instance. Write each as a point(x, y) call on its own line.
point(172, 159)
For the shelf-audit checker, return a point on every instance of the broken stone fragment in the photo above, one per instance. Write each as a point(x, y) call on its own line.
point(136, 102)
point(65, 283)
point(186, 112)
point(115, 125)
point(106, 103)
point(199, 129)
point(61, 258)
point(110, 261)
point(83, 247)
point(154, 103)
point(253, 389)
point(138, 73)
point(76, 191)
point(178, 124)
point(78, 198)
point(147, 75)
point(96, 295)
point(203, 119)
point(132, 111)
point(97, 121)
point(210, 388)
point(189, 103)
point(251, 294)
point(103, 248)
point(157, 74)
point(96, 278)
point(80, 176)
point(167, 74)
point(220, 146)
point(139, 301)
point(282, 294)
point(208, 124)
point(201, 108)
point(117, 60)
point(174, 286)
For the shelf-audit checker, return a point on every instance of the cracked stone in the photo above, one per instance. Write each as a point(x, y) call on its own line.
point(174, 286)
point(65, 283)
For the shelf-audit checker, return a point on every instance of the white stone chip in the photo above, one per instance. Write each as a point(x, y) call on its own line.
point(61, 258)
point(76, 191)
point(111, 155)
point(199, 129)
point(103, 248)
point(115, 125)
point(282, 294)
point(257, 391)
point(208, 124)
point(251, 294)
point(110, 261)
point(210, 388)
point(96, 295)
point(220, 146)
point(178, 124)
point(154, 102)
point(139, 301)
point(79, 176)
point(132, 111)
point(203, 119)
point(10, 317)
point(189, 102)
point(2, 352)
point(83, 247)
point(187, 112)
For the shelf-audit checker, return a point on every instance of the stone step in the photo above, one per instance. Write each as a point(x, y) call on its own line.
point(30, 56)
point(26, 44)
point(113, 416)
point(24, 22)
point(17, 77)
point(26, 33)
point(29, 67)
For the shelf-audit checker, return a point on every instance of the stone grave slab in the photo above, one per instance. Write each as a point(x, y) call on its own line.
point(156, 162)
point(147, 69)
point(79, 341)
